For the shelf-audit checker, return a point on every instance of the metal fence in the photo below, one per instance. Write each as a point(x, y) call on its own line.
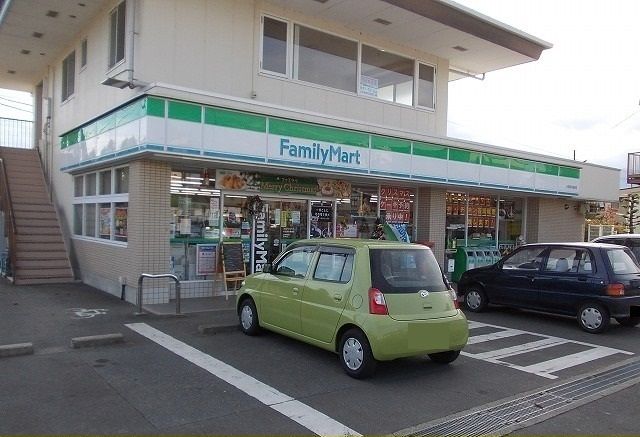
point(16, 133)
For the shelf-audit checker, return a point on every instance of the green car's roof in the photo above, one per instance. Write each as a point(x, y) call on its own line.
point(357, 243)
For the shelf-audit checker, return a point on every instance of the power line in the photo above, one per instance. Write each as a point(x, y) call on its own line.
point(15, 101)
point(13, 107)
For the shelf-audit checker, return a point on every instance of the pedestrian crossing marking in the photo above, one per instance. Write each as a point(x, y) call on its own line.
point(545, 368)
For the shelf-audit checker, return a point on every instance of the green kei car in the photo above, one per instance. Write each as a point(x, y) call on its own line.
point(366, 300)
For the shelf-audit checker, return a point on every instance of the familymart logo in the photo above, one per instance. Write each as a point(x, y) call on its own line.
point(324, 154)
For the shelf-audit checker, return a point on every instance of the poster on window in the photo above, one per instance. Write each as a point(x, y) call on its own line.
point(206, 259)
point(321, 221)
point(395, 202)
point(105, 222)
point(121, 222)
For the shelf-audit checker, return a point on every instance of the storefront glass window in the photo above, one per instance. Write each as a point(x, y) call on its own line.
point(357, 215)
point(455, 225)
point(105, 182)
point(104, 222)
point(78, 182)
point(90, 184)
point(122, 180)
point(120, 217)
point(90, 220)
point(481, 221)
point(510, 231)
point(321, 219)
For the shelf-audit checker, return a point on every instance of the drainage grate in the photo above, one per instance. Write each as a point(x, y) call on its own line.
point(493, 419)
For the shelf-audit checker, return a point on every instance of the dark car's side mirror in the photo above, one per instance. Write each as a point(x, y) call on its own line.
point(266, 268)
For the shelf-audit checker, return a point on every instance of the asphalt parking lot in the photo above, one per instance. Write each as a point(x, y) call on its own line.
point(168, 377)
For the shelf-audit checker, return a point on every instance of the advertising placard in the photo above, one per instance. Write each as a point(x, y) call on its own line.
point(206, 259)
point(396, 203)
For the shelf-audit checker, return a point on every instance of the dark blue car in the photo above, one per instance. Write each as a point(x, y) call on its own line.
point(592, 281)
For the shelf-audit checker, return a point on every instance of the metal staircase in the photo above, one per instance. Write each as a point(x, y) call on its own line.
point(36, 247)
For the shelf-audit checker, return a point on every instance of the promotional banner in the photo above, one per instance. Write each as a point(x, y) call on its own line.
point(396, 203)
point(267, 183)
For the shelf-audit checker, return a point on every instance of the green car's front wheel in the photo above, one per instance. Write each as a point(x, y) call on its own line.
point(248, 317)
point(355, 354)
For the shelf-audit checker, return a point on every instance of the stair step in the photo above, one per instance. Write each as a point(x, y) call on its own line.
point(59, 263)
point(50, 215)
point(40, 255)
point(23, 180)
point(43, 273)
point(42, 246)
point(43, 223)
point(18, 186)
point(42, 281)
point(26, 238)
point(38, 231)
point(33, 207)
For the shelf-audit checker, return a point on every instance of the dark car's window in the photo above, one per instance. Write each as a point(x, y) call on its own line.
point(622, 262)
point(634, 245)
point(335, 267)
point(295, 263)
point(569, 260)
point(527, 258)
point(405, 271)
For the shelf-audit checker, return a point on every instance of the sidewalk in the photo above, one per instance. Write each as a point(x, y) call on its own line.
point(50, 315)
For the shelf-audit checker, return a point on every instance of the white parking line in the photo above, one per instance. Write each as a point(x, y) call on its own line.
point(494, 336)
point(544, 369)
point(567, 361)
point(520, 349)
point(312, 419)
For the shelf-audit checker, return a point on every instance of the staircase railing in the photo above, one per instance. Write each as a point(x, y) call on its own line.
point(7, 207)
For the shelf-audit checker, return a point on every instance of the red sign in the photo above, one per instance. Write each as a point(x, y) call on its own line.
point(396, 202)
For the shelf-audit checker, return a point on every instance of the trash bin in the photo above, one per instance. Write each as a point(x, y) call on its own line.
point(466, 258)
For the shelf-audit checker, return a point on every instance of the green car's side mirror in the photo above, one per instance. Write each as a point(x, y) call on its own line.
point(266, 268)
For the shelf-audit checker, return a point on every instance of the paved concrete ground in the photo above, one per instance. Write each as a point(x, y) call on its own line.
point(136, 387)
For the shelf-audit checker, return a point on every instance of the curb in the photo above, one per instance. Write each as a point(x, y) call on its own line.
point(96, 340)
point(13, 350)
point(217, 328)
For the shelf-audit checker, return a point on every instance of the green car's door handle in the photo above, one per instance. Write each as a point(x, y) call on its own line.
point(295, 290)
point(337, 297)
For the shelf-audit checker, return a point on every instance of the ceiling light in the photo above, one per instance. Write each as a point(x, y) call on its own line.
point(118, 83)
point(460, 48)
point(52, 14)
point(321, 1)
point(382, 21)
point(37, 34)
point(25, 51)
point(72, 16)
point(11, 71)
point(81, 4)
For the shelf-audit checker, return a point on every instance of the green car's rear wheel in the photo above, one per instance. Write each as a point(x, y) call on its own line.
point(355, 354)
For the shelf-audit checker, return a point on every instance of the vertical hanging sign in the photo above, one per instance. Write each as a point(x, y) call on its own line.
point(259, 241)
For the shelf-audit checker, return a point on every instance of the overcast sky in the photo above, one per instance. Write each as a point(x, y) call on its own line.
point(583, 94)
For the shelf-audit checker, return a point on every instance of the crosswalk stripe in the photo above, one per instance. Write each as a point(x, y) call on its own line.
point(494, 336)
point(520, 349)
point(567, 361)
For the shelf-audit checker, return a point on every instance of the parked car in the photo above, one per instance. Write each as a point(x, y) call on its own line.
point(366, 300)
point(632, 241)
point(592, 281)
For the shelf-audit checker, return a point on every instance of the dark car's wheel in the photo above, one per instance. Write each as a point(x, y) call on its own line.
point(444, 357)
point(628, 321)
point(248, 317)
point(475, 299)
point(593, 318)
point(355, 354)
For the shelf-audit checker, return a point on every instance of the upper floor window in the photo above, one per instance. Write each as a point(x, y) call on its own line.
point(426, 82)
point(68, 75)
point(83, 53)
point(387, 76)
point(324, 59)
point(301, 53)
point(274, 46)
point(117, 34)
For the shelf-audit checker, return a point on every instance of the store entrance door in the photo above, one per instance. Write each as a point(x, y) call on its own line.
point(287, 222)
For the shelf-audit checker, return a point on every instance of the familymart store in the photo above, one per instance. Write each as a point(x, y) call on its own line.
point(215, 175)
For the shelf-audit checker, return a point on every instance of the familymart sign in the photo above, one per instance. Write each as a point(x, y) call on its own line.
point(303, 152)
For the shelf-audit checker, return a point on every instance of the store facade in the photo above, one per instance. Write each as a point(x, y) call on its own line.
point(228, 176)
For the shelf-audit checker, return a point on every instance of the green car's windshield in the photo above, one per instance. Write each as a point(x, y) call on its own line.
point(405, 271)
